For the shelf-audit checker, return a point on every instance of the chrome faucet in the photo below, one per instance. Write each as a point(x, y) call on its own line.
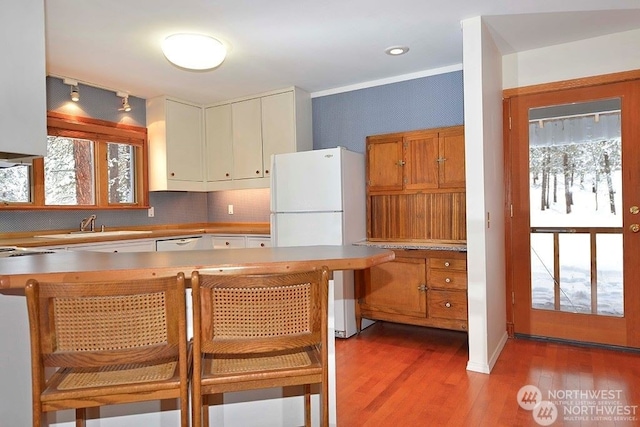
point(88, 222)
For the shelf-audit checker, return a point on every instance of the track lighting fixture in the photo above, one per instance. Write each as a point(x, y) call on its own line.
point(125, 101)
point(75, 93)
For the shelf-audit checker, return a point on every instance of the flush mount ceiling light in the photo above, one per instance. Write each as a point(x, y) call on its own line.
point(125, 101)
point(396, 50)
point(75, 93)
point(194, 51)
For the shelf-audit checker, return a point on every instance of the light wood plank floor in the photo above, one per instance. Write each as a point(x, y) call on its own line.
point(400, 375)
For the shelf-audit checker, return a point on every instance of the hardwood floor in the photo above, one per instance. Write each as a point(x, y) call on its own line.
point(401, 375)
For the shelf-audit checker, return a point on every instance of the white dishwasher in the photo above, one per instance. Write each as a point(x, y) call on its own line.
point(191, 243)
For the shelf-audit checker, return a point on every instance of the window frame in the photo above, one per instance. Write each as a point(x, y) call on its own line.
point(101, 132)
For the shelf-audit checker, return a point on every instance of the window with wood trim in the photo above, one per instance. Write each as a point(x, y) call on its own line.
point(89, 164)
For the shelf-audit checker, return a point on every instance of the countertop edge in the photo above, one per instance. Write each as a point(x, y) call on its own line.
point(427, 246)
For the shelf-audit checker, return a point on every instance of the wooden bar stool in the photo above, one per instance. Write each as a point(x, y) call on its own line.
point(259, 331)
point(111, 342)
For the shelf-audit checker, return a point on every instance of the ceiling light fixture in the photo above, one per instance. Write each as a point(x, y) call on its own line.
point(125, 101)
point(75, 93)
point(396, 50)
point(194, 51)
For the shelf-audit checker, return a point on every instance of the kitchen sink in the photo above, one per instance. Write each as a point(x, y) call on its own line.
point(84, 234)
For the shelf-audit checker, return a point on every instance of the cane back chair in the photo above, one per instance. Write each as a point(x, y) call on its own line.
point(259, 331)
point(110, 342)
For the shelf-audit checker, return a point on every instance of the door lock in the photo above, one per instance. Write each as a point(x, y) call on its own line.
point(634, 228)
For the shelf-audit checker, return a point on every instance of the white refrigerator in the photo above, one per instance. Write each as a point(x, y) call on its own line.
point(318, 198)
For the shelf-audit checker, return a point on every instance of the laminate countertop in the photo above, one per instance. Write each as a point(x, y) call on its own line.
point(73, 266)
point(28, 239)
point(435, 245)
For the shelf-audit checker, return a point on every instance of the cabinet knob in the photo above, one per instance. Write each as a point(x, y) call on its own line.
point(447, 304)
point(173, 174)
point(267, 171)
point(257, 172)
point(226, 243)
point(447, 280)
point(447, 264)
point(262, 245)
point(226, 174)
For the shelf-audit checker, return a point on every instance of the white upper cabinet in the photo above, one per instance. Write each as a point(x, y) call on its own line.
point(219, 143)
point(176, 145)
point(278, 130)
point(247, 139)
point(23, 104)
point(241, 136)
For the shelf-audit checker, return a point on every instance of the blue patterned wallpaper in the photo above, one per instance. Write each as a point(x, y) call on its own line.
point(346, 119)
point(343, 119)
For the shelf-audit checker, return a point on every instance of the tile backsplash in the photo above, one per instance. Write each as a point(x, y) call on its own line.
point(169, 208)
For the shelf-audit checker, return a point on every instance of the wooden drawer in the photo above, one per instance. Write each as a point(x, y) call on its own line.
point(447, 304)
point(448, 263)
point(447, 279)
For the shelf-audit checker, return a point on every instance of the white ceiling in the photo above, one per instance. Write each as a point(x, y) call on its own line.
point(318, 45)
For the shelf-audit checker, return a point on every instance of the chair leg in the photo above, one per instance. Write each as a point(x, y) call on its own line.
point(324, 404)
point(81, 416)
point(205, 411)
point(307, 405)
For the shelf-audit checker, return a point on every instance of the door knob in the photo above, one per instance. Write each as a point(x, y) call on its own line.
point(634, 210)
point(634, 227)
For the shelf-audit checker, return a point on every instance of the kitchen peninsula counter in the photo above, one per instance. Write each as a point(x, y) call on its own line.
point(95, 266)
point(273, 409)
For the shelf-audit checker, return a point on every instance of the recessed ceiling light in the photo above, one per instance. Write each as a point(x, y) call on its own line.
point(396, 50)
point(194, 51)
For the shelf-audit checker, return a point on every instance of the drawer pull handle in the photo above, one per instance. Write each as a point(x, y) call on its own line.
point(226, 243)
point(447, 264)
point(447, 280)
point(447, 304)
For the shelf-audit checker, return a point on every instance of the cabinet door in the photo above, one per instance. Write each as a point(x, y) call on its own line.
point(395, 287)
point(384, 164)
point(421, 157)
point(278, 129)
point(184, 142)
point(247, 139)
point(219, 143)
point(228, 242)
point(451, 169)
point(258, 242)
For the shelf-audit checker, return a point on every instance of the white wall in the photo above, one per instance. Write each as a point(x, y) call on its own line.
point(591, 57)
point(485, 196)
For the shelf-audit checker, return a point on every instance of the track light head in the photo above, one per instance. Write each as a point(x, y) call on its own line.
point(75, 94)
point(125, 101)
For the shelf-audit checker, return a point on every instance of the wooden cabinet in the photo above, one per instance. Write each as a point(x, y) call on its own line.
point(241, 136)
point(175, 133)
point(416, 186)
point(417, 160)
point(420, 287)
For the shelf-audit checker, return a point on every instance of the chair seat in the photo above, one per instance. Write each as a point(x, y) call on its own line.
point(221, 365)
point(94, 382)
